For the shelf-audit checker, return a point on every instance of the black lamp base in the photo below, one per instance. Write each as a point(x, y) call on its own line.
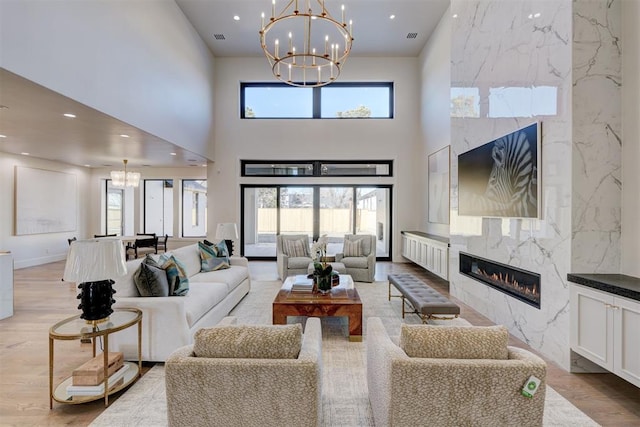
point(229, 244)
point(95, 300)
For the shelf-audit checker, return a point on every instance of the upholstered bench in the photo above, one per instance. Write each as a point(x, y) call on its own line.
point(426, 302)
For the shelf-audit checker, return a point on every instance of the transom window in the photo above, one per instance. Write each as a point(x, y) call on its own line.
point(336, 101)
point(293, 168)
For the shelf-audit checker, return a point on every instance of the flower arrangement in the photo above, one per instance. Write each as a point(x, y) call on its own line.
point(322, 271)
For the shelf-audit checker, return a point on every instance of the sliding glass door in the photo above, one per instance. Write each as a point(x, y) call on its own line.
point(313, 210)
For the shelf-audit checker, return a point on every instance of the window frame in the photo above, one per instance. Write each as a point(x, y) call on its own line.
point(317, 100)
point(317, 168)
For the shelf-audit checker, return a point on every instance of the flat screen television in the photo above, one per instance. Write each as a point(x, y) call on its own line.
point(502, 177)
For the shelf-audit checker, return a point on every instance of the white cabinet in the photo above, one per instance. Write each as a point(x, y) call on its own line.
point(428, 253)
point(6, 285)
point(605, 329)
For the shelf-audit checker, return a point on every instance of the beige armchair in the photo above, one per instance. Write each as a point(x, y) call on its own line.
point(246, 391)
point(474, 388)
point(362, 268)
point(292, 254)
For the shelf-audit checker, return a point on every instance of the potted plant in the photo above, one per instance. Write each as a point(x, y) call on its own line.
point(322, 270)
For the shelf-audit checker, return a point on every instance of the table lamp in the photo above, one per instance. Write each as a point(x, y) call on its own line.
point(92, 264)
point(228, 231)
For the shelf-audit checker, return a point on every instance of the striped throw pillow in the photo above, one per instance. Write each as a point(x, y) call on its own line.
point(353, 248)
point(295, 248)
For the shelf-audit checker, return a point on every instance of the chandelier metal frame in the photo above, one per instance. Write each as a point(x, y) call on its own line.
point(311, 66)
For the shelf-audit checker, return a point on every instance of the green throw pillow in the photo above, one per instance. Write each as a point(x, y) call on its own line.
point(151, 280)
point(209, 259)
point(176, 274)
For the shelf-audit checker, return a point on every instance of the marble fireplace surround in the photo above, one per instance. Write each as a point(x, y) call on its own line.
point(574, 47)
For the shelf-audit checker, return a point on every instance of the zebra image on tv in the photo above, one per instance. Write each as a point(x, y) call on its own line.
point(501, 178)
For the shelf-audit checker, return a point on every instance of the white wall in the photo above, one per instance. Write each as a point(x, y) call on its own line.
point(138, 61)
point(376, 139)
point(435, 120)
point(630, 239)
point(36, 249)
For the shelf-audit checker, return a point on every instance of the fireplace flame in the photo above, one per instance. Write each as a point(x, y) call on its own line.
point(512, 283)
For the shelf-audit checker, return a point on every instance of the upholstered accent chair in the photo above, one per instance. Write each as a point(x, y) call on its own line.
point(359, 256)
point(451, 376)
point(292, 254)
point(248, 375)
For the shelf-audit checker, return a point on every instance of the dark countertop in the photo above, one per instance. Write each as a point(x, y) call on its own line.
point(617, 284)
point(428, 236)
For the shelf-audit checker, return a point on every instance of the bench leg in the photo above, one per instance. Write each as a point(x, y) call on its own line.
point(403, 306)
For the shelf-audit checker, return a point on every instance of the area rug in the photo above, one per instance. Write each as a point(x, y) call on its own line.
point(345, 400)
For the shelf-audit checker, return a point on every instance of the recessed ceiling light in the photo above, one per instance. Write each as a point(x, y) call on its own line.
point(534, 15)
point(173, 154)
point(392, 17)
point(71, 116)
point(236, 18)
point(455, 15)
point(123, 135)
point(3, 136)
point(24, 154)
point(87, 166)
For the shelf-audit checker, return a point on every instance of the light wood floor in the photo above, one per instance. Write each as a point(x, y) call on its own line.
point(41, 299)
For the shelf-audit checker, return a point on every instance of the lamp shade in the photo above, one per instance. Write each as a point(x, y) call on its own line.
point(227, 231)
point(95, 259)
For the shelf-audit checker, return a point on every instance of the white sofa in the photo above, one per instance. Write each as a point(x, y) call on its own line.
point(169, 323)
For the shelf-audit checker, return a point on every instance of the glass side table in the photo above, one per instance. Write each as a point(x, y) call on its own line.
point(75, 328)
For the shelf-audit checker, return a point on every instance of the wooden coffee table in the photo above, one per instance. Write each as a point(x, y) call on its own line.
point(343, 300)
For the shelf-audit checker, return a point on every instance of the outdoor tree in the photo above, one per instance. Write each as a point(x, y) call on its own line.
point(249, 113)
point(361, 111)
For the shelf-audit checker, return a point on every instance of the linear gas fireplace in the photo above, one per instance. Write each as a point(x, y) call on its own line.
point(521, 284)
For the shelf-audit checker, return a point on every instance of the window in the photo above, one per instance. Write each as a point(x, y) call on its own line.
point(194, 208)
point(336, 101)
point(115, 210)
point(314, 210)
point(317, 168)
point(158, 206)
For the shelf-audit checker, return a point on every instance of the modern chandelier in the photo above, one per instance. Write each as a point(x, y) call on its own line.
point(124, 178)
point(308, 47)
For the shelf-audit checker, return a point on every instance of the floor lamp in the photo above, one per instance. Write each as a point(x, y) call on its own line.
point(93, 264)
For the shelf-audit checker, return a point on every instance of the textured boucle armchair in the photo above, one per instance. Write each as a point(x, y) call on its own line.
point(250, 391)
point(412, 391)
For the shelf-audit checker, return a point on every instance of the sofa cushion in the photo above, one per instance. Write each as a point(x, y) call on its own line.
point(299, 262)
point(295, 248)
point(249, 341)
point(454, 342)
point(355, 262)
point(176, 274)
point(124, 286)
point(210, 261)
point(231, 277)
point(151, 280)
point(190, 258)
point(201, 299)
point(353, 248)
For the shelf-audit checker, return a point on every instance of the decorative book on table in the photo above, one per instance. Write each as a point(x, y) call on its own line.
point(301, 283)
point(91, 390)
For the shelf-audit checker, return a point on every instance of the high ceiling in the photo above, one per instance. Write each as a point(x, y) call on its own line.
point(34, 123)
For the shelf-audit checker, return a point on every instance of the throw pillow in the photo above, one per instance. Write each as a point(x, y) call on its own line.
point(176, 274)
point(353, 248)
point(454, 342)
point(209, 259)
point(249, 341)
point(295, 248)
point(220, 248)
point(151, 280)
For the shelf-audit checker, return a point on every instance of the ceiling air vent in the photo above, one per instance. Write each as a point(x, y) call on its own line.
point(219, 36)
point(412, 35)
